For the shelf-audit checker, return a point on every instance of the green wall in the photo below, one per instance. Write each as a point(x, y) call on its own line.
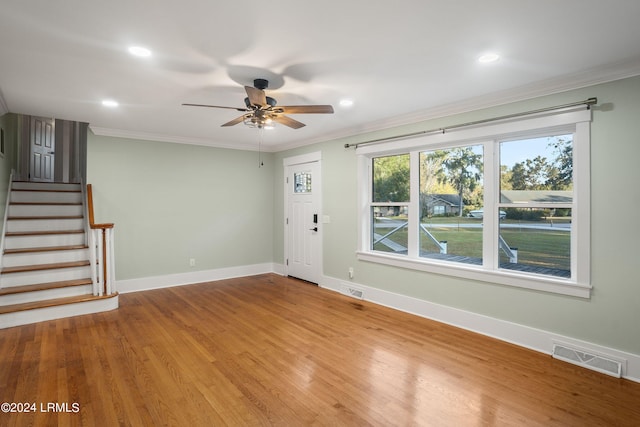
point(173, 202)
point(609, 318)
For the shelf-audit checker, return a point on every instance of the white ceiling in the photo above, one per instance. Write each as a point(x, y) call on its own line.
point(398, 61)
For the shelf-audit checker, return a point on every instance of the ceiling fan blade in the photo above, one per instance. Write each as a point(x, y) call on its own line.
point(216, 106)
point(305, 109)
point(256, 96)
point(234, 121)
point(287, 121)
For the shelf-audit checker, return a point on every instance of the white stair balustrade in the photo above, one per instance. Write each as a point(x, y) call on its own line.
point(102, 250)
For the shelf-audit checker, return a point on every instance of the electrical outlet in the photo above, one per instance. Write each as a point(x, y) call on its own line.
point(350, 272)
point(192, 262)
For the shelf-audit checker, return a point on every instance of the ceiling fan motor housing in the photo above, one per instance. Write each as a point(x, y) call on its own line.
point(270, 101)
point(261, 84)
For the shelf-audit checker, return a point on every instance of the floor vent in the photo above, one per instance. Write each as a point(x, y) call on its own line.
point(353, 292)
point(587, 360)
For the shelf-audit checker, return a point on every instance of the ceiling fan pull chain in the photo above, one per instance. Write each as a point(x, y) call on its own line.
point(260, 162)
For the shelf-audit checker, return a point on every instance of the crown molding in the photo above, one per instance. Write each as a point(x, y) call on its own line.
point(149, 136)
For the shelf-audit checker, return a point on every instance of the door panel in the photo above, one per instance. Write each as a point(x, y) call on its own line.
point(42, 149)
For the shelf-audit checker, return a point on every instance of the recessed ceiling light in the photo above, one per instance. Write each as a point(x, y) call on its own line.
point(110, 103)
point(346, 102)
point(488, 57)
point(140, 51)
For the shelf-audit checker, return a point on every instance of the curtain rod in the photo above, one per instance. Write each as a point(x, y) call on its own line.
point(588, 102)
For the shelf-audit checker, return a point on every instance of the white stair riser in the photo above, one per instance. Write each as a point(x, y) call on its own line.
point(9, 320)
point(44, 276)
point(67, 291)
point(45, 197)
point(21, 242)
point(45, 210)
point(47, 257)
point(44, 186)
point(45, 224)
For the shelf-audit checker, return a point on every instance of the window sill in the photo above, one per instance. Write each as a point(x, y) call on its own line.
point(545, 284)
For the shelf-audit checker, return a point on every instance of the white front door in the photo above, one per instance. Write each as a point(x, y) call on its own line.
point(303, 223)
point(42, 149)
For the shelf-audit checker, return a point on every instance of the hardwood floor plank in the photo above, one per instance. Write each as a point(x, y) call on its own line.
point(268, 350)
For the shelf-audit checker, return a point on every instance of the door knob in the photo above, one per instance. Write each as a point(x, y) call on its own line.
point(314, 229)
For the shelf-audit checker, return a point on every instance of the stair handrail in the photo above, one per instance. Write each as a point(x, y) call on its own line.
point(102, 250)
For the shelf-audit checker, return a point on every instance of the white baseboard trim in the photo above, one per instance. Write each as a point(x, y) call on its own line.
point(191, 277)
point(279, 269)
point(524, 336)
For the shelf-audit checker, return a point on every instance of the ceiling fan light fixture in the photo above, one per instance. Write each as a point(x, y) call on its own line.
point(268, 123)
point(250, 121)
point(254, 121)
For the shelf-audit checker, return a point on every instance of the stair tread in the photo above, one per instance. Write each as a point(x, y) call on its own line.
point(34, 182)
point(42, 232)
point(47, 190)
point(44, 286)
point(22, 218)
point(52, 303)
point(44, 249)
point(40, 267)
point(47, 203)
point(26, 181)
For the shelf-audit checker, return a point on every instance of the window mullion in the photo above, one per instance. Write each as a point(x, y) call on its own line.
point(491, 226)
point(414, 206)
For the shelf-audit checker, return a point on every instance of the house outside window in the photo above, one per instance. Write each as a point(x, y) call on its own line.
point(457, 173)
point(506, 203)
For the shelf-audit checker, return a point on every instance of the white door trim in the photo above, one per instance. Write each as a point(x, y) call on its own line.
point(316, 156)
point(293, 161)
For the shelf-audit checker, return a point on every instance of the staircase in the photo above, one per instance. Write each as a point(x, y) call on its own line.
point(46, 271)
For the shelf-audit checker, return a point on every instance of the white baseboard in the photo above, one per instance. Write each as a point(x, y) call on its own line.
point(524, 336)
point(189, 278)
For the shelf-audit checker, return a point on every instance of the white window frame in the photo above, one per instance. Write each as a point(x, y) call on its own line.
point(572, 121)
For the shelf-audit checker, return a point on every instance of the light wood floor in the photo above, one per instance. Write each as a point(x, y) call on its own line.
point(268, 350)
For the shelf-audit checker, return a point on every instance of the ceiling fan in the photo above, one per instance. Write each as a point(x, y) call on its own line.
point(261, 110)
